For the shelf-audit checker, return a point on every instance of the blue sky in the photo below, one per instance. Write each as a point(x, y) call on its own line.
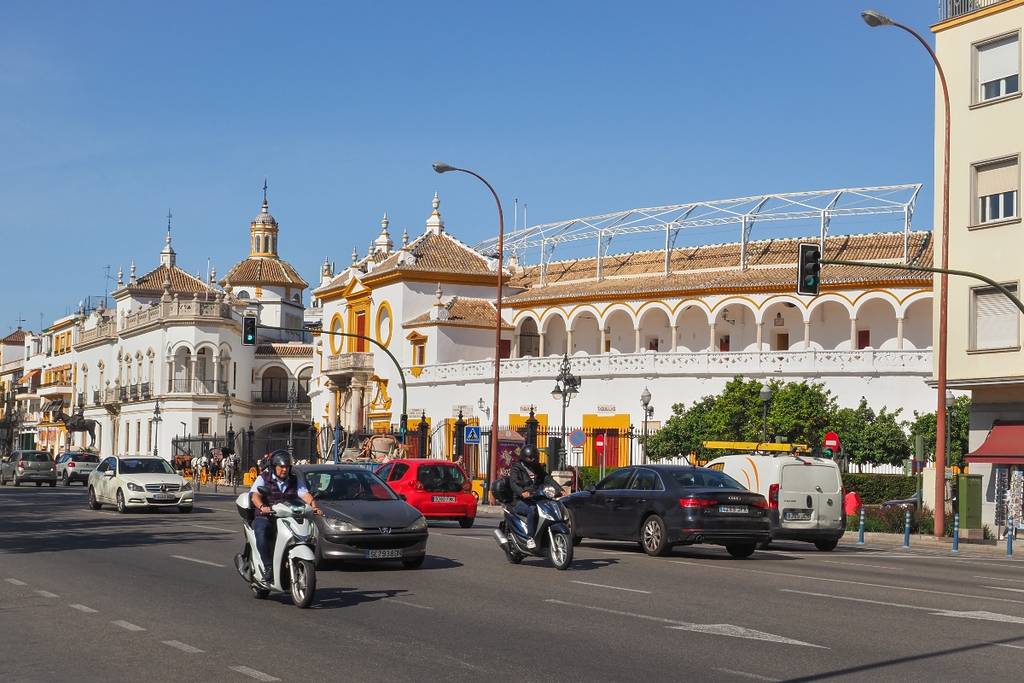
point(113, 112)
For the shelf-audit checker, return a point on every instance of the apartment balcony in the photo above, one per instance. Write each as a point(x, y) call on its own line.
point(279, 397)
point(176, 311)
point(814, 363)
point(200, 387)
point(55, 389)
point(951, 9)
point(104, 331)
point(343, 367)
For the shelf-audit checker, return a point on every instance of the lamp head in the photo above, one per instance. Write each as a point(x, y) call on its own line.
point(766, 393)
point(556, 393)
point(645, 397)
point(441, 167)
point(950, 398)
point(874, 18)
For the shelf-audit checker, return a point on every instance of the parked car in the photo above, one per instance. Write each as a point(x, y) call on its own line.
point(913, 502)
point(661, 506)
point(363, 518)
point(28, 466)
point(76, 467)
point(805, 494)
point(138, 482)
point(437, 488)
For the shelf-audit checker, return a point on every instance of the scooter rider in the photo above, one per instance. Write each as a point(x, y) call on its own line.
point(277, 485)
point(524, 477)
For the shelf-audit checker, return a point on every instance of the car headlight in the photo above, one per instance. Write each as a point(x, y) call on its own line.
point(340, 527)
point(419, 525)
point(186, 485)
point(135, 487)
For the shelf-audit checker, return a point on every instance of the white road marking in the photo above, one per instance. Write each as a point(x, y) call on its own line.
point(184, 647)
point(744, 674)
point(407, 604)
point(856, 583)
point(127, 625)
point(728, 630)
point(47, 594)
point(979, 615)
point(253, 673)
point(617, 588)
point(857, 564)
point(1015, 647)
point(15, 582)
point(83, 608)
point(999, 578)
point(1005, 588)
point(213, 528)
point(192, 559)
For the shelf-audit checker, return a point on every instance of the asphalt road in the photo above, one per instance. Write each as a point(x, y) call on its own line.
point(98, 596)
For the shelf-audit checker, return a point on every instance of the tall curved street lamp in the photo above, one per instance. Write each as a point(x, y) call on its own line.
point(492, 468)
point(874, 19)
point(157, 419)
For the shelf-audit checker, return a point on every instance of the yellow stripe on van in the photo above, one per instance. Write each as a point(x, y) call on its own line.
point(747, 478)
point(757, 475)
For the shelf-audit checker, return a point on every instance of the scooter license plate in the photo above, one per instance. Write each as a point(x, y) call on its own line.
point(444, 499)
point(384, 554)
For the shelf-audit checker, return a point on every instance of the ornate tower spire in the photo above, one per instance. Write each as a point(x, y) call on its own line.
point(131, 273)
point(405, 237)
point(434, 224)
point(167, 255)
point(263, 230)
point(355, 256)
point(383, 243)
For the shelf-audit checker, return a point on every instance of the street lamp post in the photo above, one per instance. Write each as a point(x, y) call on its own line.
point(874, 19)
point(567, 386)
point(645, 404)
point(492, 468)
point(766, 397)
point(293, 401)
point(157, 419)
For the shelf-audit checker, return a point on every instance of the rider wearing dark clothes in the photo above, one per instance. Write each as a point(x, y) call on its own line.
point(526, 475)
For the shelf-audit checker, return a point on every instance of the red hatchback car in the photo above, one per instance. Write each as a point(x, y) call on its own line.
point(439, 489)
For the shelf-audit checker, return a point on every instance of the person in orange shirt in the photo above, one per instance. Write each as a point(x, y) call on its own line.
point(851, 504)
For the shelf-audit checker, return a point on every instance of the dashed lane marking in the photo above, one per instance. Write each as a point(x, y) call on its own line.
point(727, 630)
point(16, 582)
point(979, 614)
point(407, 604)
point(83, 608)
point(214, 528)
point(127, 625)
point(617, 588)
point(47, 594)
point(857, 564)
point(746, 674)
point(253, 673)
point(1014, 647)
point(1005, 588)
point(184, 647)
point(197, 561)
point(999, 578)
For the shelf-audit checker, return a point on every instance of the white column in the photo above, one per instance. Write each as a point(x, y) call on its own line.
point(540, 348)
point(760, 335)
point(568, 341)
point(170, 375)
point(216, 372)
point(807, 335)
point(636, 340)
point(604, 340)
point(675, 332)
point(853, 334)
point(712, 339)
point(515, 345)
point(899, 333)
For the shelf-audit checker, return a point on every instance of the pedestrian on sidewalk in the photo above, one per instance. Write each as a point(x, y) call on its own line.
point(851, 503)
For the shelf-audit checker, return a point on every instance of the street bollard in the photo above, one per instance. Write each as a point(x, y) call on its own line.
point(906, 530)
point(956, 532)
point(1009, 541)
point(860, 533)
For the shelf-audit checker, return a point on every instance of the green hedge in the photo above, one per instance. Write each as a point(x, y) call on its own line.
point(875, 489)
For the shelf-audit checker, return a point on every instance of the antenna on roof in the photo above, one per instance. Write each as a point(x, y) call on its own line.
point(107, 279)
point(515, 213)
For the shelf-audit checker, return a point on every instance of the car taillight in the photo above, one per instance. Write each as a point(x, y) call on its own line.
point(760, 503)
point(466, 487)
point(773, 497)
point(71, 464)
point(697, 502)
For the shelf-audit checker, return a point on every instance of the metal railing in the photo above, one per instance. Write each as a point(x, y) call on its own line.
point(198, 386)
point(951, 9)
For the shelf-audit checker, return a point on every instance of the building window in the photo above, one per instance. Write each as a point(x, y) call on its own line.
point(997, 65)
point(996, 185)
point(204, 425)
point(127, 435)
point(336, 342)
point(723, 343)
point(994, 319)
point(863, 339)
point(652, 343)
point(781, 341)
point(138, 437)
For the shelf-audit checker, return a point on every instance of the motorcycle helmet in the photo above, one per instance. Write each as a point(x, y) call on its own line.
point(281, 457)
point(529, 454)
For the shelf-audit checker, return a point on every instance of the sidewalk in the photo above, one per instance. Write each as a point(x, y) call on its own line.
point(881, 541)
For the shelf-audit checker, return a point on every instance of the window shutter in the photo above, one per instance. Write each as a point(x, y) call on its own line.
point(998, 59)
point(997, 178)
point(995, 319)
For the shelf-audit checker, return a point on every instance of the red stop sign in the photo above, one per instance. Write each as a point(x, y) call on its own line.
point(831, 441)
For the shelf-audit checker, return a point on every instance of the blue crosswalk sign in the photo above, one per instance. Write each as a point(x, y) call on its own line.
point(472, 434)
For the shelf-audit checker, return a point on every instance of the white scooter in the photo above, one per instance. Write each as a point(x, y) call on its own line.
point(294, 559)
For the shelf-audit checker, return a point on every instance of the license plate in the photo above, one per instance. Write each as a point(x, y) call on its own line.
point(798, 516)
point(733, 509)
point(384, 554)
point(163, 496)
point(444, 499)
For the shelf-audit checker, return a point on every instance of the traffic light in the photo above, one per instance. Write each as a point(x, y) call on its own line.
point(249, 330)
point(809, 275)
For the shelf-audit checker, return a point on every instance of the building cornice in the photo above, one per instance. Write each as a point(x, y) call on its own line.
point(976, 14)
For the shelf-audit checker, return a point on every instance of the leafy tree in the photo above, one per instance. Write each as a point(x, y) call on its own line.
point(884, 440)
point(683, 433)
point(735, 415)
point(959, 430)
point(800, 412)
point(851, 424)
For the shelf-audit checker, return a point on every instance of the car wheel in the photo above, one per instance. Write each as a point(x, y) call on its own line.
point(121, 507)
point(826, 545)
point(17, 482)
point(741, 550)
point(653, 538)
point(3, 482)
point(64, 479)
point(185, 509)
point(414, 562)
point(571, 519)
point(93, 503)
point(764, 545)
point(466, 522)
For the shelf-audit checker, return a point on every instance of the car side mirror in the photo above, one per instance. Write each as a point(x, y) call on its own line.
point(108, 473)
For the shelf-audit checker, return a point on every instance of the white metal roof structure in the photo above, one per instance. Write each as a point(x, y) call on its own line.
point(819, 205)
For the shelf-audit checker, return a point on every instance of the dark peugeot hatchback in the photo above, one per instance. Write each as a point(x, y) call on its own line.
point(661, 506)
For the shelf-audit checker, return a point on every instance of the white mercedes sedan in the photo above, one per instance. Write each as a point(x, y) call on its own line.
point(138, 482)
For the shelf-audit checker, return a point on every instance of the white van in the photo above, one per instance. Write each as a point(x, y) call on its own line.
point(805, 494)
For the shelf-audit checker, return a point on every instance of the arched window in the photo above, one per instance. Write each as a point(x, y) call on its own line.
point(275, 386)
point(243, 295)
point(266, 243)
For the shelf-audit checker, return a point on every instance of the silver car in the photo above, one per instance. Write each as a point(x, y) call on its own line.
point(76, 467)
point(25, 466)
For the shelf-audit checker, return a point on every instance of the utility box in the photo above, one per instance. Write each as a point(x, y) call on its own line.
point(970, 500)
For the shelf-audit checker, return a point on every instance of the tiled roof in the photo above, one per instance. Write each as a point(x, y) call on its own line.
point(181, 282)
point(463, 312)
point(437, 253)
point(771, 267)
point(285, 350)
point(16, 337)
point(264, 271)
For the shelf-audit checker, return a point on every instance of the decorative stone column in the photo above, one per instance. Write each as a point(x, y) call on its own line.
point(568, 341)
point(604, 340)
point(636, 340)
point(807, 335)
point(675, 333)
point(713, 338)
point(540, 346)
point(899, 333)
point(760, 336)
point(853, 334)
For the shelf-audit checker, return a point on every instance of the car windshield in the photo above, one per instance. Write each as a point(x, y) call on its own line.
point(36, 457)
point(347, 485)
point(443, 478)
point(85, 457)
point(144, 466)
point(706, 479)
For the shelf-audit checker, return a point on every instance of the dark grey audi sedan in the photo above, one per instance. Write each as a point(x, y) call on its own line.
point(363, 518)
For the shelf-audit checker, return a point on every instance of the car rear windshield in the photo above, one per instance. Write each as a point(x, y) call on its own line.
point(85, 457)
point(705, 479)
point(347, 485)
point(446, 478)
point(36, 457)
point(144, 466)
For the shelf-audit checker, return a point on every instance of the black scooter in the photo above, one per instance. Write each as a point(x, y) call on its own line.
point(552, 538)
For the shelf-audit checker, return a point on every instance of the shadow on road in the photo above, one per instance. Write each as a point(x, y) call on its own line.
point(712, 553)
point(432, 562)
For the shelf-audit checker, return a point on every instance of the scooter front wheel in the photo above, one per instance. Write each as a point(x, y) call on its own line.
point(560, 550)
point(303, 583)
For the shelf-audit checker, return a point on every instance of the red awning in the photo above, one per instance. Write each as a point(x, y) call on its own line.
point(1004, 445)
point(29, 376)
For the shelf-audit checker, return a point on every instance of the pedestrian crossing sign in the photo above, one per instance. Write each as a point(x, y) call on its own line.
point(472, 435)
